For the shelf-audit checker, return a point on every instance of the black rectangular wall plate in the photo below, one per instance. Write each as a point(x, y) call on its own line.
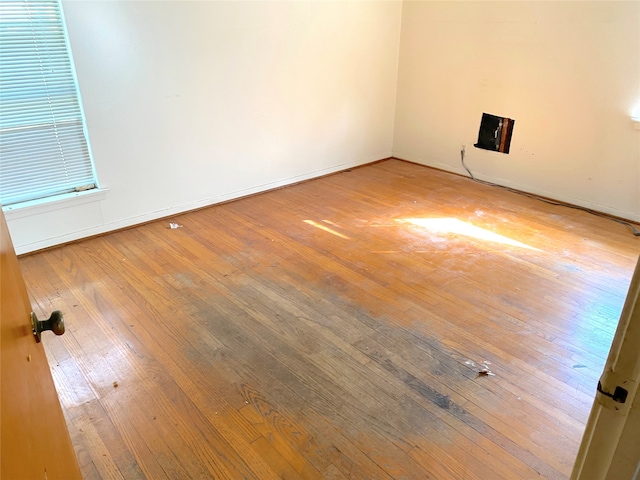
point(495, 133)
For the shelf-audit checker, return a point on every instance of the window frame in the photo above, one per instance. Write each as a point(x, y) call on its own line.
point(75, 139)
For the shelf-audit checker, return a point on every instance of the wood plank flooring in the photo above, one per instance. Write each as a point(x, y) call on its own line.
point(335, 329)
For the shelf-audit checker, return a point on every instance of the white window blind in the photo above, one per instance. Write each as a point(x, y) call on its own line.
point(44, 149)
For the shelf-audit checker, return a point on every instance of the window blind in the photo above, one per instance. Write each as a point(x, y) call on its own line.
point(43, 144)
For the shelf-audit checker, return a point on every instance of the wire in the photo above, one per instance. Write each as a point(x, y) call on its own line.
point(464, 165)
point(634, 230)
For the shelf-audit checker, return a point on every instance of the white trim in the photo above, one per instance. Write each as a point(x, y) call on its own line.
point(78, 93)
point(524, 188)
point(175, 210)
point(49, 204)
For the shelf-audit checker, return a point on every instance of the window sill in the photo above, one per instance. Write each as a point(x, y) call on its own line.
point(49, 204)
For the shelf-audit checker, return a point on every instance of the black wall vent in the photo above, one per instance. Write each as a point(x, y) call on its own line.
point(495, 133)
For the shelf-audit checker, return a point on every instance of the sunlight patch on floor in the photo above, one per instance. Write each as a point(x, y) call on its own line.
point(459, 227)
point(326, 229)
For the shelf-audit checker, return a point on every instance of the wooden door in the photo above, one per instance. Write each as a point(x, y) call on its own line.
point(34, 440)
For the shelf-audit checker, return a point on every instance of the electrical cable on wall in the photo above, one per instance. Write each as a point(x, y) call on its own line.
point(550, 202)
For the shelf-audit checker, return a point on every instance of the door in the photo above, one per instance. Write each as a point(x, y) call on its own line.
point(34, 440)
point(610, 446)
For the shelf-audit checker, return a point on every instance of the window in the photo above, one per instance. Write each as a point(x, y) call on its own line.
point(44, 148)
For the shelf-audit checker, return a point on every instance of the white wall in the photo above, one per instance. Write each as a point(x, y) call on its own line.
point(192, 103)
point(567, 72)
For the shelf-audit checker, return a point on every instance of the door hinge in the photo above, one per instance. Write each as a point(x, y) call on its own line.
point(613, 391)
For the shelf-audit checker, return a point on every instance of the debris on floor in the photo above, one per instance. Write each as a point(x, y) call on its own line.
point(175, 225)
point(483, 369)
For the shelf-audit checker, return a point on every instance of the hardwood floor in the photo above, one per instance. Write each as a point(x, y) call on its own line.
point(335, 329)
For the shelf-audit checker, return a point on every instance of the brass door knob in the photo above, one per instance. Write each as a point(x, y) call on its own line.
point(55, 323)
